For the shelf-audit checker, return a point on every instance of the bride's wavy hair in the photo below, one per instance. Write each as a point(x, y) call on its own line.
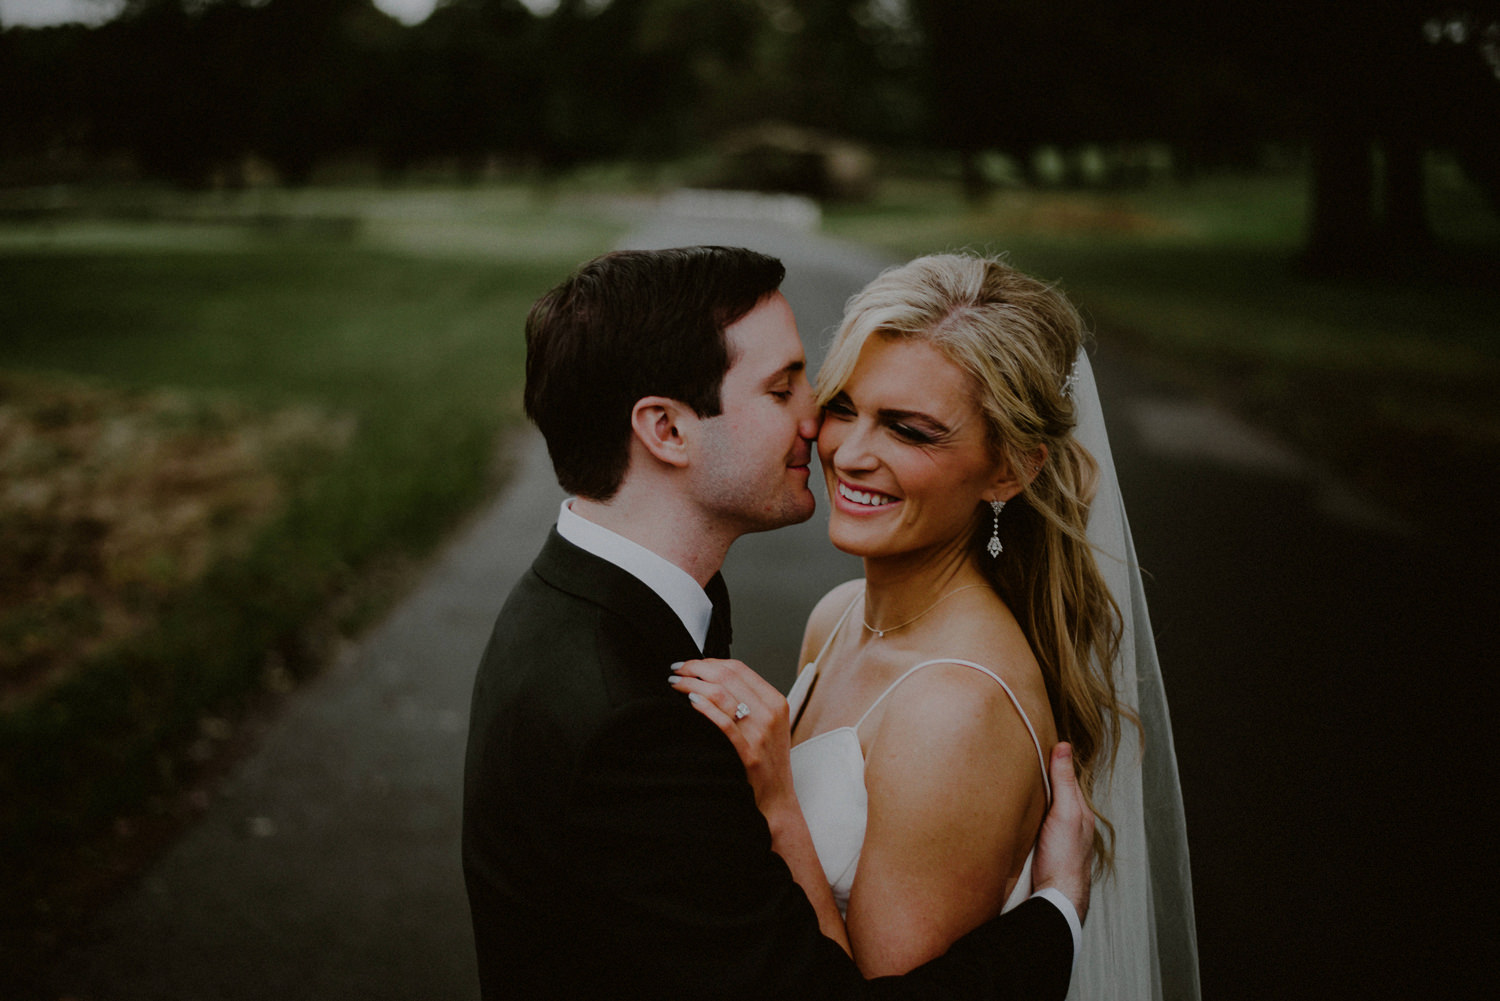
point(1016, 338)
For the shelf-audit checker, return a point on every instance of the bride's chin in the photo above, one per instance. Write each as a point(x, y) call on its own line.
point(845, 541)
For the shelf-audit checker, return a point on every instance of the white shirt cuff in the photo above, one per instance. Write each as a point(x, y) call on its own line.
point(1070, 912)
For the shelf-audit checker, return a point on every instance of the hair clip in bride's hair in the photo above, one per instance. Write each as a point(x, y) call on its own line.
point(1071, 380)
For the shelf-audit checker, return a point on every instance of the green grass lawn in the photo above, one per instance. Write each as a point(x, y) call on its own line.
point(1382, 377)
point(324, 377)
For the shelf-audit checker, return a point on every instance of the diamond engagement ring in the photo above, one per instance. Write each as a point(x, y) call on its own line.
point(741, 711)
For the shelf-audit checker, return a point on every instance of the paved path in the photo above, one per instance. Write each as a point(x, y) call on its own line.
point(1331, 678)
point(1325, 729)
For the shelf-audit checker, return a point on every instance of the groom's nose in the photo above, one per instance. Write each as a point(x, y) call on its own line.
point(810, 418)
point(809, 426)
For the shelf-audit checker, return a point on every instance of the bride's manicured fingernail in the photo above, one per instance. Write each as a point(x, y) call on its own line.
point(677, 666)
point(674, 680)
point(694, 697)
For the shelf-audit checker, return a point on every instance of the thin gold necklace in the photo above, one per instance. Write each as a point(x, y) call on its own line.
point(890, 629)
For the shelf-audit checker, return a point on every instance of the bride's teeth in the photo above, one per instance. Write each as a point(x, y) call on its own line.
point(860, 497)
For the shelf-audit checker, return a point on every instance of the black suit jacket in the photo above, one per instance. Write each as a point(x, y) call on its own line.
point(611, 843)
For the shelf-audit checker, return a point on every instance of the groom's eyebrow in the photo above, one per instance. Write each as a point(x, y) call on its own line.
point(790, 368)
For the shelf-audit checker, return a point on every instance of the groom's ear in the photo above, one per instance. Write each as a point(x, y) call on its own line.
point(657, 424)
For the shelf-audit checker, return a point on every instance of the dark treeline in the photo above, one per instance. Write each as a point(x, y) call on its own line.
point(195, 90)
point(190, 90)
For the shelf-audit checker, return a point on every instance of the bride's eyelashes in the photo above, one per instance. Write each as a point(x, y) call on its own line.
point(839, 408)
point(916, 435)
point(919, 431)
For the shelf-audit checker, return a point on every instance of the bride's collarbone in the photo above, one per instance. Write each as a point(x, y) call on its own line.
point(859, 669)
point(838, 699)
point(852, 678)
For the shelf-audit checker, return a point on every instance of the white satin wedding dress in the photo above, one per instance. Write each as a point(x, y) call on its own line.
point(828, 772)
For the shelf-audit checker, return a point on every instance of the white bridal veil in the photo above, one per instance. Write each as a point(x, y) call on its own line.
point(1139, 941)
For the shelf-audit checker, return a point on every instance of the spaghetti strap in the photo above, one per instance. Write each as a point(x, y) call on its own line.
point(1040, 757)
point(817, 662)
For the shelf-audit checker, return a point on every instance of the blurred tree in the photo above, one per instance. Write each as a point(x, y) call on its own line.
point(1358, 59)
point(1470, 49)
point(1011, 75)
point(464, 84)
point(44, 98)
point(966, 72)
point(628, 76)
point(845, 67)
point(1380, 89)
point(656, 77)
point(719, 51)
point(194, 87)
point(317, 64)
point(595, 86)
point(1368, 85)
point(157, 90)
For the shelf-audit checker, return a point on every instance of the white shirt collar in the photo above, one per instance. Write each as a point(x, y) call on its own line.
point(670, 582)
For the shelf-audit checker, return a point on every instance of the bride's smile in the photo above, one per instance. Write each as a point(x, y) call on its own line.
point(864, 498)
point(905, 458)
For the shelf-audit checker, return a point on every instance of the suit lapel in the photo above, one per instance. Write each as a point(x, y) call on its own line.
point(598, 581)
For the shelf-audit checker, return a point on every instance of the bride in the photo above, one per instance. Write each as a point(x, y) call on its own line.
point(1000, 612)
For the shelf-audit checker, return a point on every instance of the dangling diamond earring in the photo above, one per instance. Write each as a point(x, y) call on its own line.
point(994, 548)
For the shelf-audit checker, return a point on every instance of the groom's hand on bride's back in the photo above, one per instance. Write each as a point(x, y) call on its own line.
point(1065, 851)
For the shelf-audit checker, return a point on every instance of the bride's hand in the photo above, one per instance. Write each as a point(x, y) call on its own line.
point(753, 715)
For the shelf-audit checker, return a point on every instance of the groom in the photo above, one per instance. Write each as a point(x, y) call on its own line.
point(612, 846)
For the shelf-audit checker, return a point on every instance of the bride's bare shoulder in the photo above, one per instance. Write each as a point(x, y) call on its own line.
point(825, 616)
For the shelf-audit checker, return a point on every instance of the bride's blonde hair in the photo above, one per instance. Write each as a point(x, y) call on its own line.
point(1017, 338)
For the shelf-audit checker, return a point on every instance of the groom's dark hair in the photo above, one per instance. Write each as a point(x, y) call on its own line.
point(628, 325)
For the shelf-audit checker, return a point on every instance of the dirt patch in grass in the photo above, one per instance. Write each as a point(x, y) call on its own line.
point(1086, 215)
point(114, 500)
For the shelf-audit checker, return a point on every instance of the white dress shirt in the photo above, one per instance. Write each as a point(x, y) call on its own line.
point(669, 581)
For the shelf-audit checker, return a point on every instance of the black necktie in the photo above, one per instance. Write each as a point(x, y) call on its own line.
point(716, 644)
